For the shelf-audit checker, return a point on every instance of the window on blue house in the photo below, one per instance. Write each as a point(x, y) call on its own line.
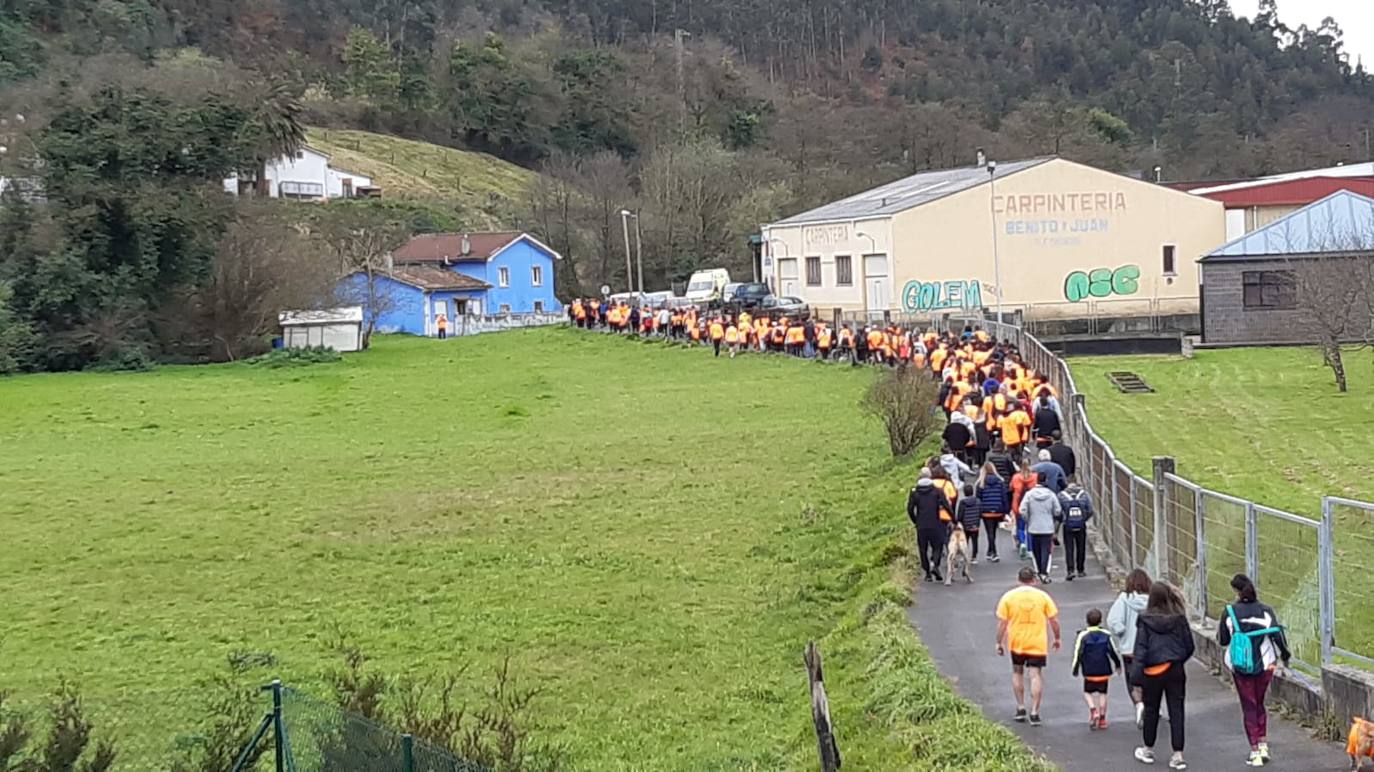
point(536, 276)
point(539, 306)
point(503, 277)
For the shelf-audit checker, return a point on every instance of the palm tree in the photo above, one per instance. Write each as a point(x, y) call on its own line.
point(275, 128)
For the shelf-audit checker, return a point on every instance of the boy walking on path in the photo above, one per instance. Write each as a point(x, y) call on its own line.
point(1023, 614)
point(1096, 657)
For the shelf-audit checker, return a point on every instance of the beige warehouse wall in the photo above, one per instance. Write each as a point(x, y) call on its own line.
point(828, 241)
point(1056, 220)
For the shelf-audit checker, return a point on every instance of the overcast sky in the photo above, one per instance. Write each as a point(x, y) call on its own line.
point(1356, 18)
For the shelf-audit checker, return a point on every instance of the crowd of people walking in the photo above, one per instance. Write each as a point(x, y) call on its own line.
point(1004, 467)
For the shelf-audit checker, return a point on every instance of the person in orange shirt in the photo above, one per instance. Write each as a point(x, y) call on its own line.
point(732, 339)
point(717, 331)
point(875, 345)
point(1023, 614)
point(938, 358)
point(823, 341)
point(1021, 483)
point(795, 338)
point(1015, 427)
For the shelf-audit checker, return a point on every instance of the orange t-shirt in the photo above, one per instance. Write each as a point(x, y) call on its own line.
point(1027, 610)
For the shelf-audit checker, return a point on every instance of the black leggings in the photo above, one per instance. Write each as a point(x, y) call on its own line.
point(990, 527)
point(972, 542)
point(1171, 686)
point(1075, 549)
point(930, 542)
point(1041, 543)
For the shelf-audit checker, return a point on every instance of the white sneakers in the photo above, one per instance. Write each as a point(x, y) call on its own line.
point(1144, 755)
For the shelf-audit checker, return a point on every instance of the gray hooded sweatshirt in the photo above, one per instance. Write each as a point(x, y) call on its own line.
point(1040, 507)
point(1122, 617)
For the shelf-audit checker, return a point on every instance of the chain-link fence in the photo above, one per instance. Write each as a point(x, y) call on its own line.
point(1352, 555)
point(1311, 570)
point(318, 736)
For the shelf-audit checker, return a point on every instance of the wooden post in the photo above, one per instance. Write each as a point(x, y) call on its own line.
point(820, 710)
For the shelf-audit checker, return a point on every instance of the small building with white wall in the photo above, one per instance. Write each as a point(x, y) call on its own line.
point(307, 176)
point(1063, 236)
point(338, 328)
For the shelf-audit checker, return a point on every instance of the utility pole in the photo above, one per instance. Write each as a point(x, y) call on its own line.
point(639, 253)
point(681, 49)
point(625, 228)
point(996, 259)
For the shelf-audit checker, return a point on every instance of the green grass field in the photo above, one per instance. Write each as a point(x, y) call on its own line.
point(651, 534)
point(479, 185)
point(1266, 425)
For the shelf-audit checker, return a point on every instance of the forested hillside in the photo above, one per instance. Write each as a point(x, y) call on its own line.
point(711, 116)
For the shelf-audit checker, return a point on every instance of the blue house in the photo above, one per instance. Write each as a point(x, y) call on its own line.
point(460, 276)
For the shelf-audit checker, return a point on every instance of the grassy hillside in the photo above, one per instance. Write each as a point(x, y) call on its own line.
point(474, 183)
point(652, 551)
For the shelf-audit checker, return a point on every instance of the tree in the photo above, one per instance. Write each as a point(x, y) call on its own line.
point(369, 69)
point(904, 400)
point(1332, 297)
point(262, 266)
point(16, 335)
point(362, 247)
point(274, 128)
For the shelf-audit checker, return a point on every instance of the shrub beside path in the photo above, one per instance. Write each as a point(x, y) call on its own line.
point(957, 625)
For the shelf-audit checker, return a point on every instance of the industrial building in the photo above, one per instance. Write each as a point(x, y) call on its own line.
point(1253, 204)
point(1049, 237)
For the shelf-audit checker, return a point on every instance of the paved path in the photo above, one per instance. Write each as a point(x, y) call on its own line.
point(957, 624)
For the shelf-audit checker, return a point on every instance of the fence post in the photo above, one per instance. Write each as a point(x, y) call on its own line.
point(278, 727)
point(1252, 542)
point(1135, 536)
point(1200, 543)
point(1078, 409)
point(1327, 576)
point(1163, 539)
point(407, 752)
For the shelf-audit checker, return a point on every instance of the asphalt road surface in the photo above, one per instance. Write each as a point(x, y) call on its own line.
point(959, 626)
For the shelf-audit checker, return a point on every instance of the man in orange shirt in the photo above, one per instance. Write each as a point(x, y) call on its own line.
point(1023, 614)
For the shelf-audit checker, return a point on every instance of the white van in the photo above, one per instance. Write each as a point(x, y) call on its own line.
point(706, 286)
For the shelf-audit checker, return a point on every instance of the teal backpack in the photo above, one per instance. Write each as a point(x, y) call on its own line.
point(1242, 648)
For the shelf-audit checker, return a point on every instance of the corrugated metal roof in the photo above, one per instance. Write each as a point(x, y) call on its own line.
point(907, 193)
point(343, 314)
point(1348, 170)
point(1299, 192)
point(1341, 222)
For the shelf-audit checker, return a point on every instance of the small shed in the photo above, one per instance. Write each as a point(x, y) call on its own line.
point(338, 328)
point(1250, 289)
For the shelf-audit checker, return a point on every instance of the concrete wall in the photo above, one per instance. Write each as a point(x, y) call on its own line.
point(1068, 235)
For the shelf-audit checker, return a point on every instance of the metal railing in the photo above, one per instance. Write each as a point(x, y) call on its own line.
point(1311, 570)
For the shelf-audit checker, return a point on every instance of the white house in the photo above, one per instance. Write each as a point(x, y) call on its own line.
point(308, 176)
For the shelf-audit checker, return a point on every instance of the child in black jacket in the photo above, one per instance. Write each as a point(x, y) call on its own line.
point(1095, 655)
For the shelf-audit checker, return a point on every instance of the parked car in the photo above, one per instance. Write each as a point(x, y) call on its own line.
point(748, 296)
point(728, 294)
point(792, 308)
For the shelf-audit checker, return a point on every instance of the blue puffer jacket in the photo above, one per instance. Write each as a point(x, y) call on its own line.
point(994, 496)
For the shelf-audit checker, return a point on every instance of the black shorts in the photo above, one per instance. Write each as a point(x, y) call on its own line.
point(1028, 660)
point(1095, 687)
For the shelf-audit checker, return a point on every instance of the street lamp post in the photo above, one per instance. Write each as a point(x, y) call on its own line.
point(639, 254)
point(863, 269)
point(996, 259)
point(629, 270)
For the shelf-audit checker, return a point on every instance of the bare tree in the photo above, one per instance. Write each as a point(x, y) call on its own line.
point(1334, 292)
point(363, 247)
point(262, 266)
point(905, 401)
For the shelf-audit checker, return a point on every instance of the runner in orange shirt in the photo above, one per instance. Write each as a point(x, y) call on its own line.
point(1023, 614)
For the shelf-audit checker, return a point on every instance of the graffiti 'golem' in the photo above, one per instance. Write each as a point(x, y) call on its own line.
point(920, 296)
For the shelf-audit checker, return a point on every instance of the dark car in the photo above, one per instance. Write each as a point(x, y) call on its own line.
point(747, 297)
point(789, 307)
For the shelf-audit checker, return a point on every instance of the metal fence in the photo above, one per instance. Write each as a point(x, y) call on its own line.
point(1310, 569)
